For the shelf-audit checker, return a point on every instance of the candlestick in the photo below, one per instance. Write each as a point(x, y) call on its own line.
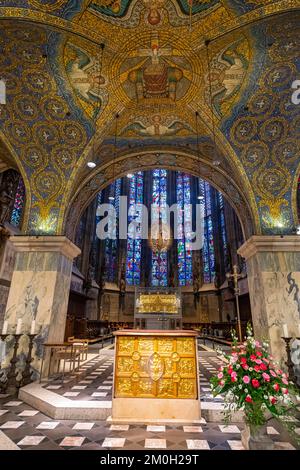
point(5, 327)
point(32, 330)
point(285, 330)
point(19, 326)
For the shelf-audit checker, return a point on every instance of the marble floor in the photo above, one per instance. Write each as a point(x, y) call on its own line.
point(23, 427)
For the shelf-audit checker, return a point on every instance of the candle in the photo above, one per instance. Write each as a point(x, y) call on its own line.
point(19, 326)
point(5, 327)
point(285, 331)
point(32, 331)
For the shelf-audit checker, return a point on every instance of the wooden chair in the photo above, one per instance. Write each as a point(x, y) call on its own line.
point(68, 354)
point(83, 345)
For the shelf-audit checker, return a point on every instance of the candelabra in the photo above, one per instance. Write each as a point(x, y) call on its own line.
point(12, 385)
point(3, 384)
point(289, 363)
point(236, 276)
point(26, 376)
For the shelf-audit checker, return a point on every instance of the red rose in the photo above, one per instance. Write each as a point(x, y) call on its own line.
point(276, 387)
point(243, 360)
point(253, 357)
point(273, 400)
point(255, 383)
point(256, 368)
point(263, 366)
point(248, 399)
point(230, 370)
point(258, 353)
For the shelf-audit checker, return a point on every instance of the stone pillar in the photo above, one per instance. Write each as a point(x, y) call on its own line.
point(273, 265)
point(39, 291)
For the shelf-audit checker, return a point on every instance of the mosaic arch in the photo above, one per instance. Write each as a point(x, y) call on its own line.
point(136, 163)
point(53, 98)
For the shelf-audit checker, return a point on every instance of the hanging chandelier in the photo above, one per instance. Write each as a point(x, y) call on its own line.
point(160, 237)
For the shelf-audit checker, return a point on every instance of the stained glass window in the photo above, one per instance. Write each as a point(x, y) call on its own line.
point(134, 243)
point(208, 245)
point(222, 225)
point(159, 200)
point(16, 215)
point(184, 254)
point(111, 243)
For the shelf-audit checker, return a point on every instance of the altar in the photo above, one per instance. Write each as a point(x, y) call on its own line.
point(157, 308)
point(156, 376)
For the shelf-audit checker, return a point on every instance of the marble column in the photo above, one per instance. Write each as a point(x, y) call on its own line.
point(273, 265)
point(39, 291)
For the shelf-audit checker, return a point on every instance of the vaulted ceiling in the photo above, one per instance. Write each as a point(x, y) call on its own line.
point(71, 66)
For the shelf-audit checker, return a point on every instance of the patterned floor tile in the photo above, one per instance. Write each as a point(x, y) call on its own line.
point(48, 425)
point(229, 429)
point(13, 403)
point(236, 445)
point(192, 429)
point(155, 444)
point(72, 441)
point(196, 444)
point(83, 426)
point(99, 394)
point(12, 424)
point(271, 430)
point(113, 442)
point(28, 413)
point(151, 428)
point(119, 427)
point(31, 440)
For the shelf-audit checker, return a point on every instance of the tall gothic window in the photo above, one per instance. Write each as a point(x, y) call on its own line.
point(222, 226)
point(184, 254)
point(111, 243)
point(16, 215)
point(208, 245)
point(159, 200)
point(134, 245)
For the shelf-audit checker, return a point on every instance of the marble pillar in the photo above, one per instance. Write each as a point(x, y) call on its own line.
point(39, 291)
point(273, 266)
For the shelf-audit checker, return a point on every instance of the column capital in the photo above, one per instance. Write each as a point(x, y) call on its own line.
point(269, 243)
point(47, 243)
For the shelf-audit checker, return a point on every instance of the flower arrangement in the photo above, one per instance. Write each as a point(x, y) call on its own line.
point(251, 381)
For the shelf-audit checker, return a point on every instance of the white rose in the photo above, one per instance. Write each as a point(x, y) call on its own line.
point(246, 390)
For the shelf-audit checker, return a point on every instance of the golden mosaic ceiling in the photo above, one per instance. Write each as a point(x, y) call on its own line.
point(162, 61)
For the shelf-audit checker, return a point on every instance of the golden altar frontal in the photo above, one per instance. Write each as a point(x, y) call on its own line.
point(151, 303)
point(156, 376)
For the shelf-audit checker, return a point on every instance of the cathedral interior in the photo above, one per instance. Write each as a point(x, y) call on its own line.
point(158, 103)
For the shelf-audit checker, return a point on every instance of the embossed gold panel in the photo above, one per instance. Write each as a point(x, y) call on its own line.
point(155, 367)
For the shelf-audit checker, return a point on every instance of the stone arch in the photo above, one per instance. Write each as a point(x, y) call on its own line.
point(217, 177)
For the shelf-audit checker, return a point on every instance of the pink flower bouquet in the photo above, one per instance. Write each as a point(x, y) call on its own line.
point(251, 381)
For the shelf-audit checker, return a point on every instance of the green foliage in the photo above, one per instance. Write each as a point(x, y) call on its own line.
point(251, 381)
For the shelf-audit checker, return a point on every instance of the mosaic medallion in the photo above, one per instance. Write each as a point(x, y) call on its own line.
point(255, 154)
